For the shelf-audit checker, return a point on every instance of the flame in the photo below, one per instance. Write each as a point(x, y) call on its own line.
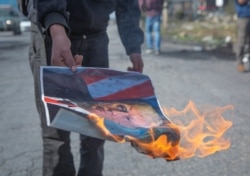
point(201, 133)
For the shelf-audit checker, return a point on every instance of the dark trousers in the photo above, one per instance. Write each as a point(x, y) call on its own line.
point(57, 156)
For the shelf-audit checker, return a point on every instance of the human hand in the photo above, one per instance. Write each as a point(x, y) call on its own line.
point(61, 54)
point(137, 62)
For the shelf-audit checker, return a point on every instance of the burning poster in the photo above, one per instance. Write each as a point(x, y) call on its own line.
point(122, 107)
point(106, 104)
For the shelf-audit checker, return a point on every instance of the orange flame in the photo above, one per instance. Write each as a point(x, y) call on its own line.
point(201, 133)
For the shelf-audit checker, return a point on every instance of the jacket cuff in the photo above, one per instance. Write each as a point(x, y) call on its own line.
point(55, 18)
point(131, 50)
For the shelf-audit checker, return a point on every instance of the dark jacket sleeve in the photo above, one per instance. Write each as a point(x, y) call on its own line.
point(51, 12)
point(128, 21)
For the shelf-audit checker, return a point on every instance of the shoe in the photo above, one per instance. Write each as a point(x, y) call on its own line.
point(246, 57)
point(241, 68)
point(149, 51)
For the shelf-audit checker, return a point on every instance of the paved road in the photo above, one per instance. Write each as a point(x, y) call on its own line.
point(178, 75)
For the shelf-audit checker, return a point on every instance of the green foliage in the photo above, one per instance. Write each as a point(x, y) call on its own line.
point(200, 32)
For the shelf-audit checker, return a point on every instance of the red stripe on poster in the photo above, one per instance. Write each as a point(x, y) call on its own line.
point(143, 90)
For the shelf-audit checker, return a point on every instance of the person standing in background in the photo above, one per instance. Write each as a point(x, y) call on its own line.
point(242, 8)
point(153, 13)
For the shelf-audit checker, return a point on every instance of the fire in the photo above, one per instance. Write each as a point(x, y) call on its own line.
point(201, 133)
point(160, 147)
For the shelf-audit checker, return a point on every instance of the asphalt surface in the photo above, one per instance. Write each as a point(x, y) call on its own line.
point(179, 74)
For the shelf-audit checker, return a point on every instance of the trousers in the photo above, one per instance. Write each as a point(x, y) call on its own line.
point(57, 157)
point(243, 38)
point(153, 32)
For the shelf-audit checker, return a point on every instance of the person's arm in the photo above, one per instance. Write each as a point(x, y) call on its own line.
point(51, 12)
point(128, 22)
point(52, 16)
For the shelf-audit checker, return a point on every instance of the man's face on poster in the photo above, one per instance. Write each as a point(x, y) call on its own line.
point(127, 114)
